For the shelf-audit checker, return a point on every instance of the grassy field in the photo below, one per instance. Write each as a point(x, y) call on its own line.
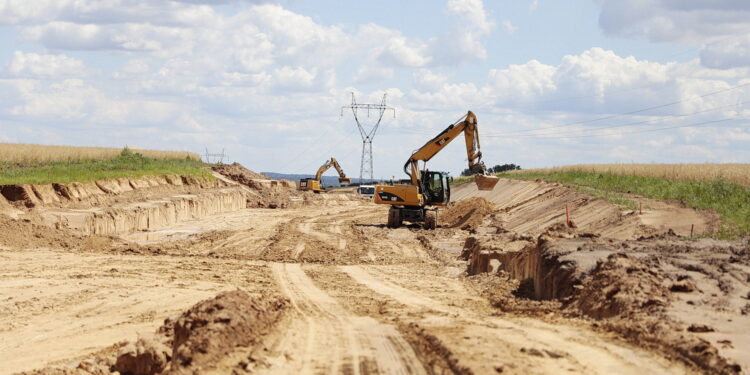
point(730, 198)
point(65, 167)
point(26, 154)
point(738, 174)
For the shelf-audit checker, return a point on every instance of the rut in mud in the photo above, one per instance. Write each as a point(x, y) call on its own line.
point(325, 287)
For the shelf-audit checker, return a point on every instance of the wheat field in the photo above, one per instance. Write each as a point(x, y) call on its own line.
point(732, 173)
point(30, 153)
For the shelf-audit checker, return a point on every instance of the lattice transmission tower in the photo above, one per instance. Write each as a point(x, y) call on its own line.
point(365, 168)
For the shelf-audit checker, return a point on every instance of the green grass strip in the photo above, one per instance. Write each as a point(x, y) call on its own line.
point(127, 164)
point(731, 201)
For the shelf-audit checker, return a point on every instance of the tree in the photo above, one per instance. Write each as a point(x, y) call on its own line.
point(504, 168)
point(496, 169)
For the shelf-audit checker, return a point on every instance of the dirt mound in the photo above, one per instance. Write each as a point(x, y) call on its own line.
point(212, 329)
point(238, 173)
point(649, 291)
point(30, 233)
point(467, 214)
point(265, 192)
point(146, 356)
point(621, 285)
point(217, 335)
point(632, 298)
point(102, 193)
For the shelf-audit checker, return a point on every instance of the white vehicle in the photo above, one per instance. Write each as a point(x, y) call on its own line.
point(366, 190)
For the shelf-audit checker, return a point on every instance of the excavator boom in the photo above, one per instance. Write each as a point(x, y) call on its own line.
point(427, 190)
point(314, 184)
point(469, 128)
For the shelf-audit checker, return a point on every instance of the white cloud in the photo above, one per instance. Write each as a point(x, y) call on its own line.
point(465, 39)
point(472, 13)
point(522, 82)
point(263, 78)
point(727, 53)
point(373, 73)
point(721, 27)
point(509, 27)
point(426, 80)
point(41, 65)
point(300, 79)
point(601, 81)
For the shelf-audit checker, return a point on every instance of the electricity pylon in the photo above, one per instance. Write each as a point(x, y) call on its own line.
point(365, 167)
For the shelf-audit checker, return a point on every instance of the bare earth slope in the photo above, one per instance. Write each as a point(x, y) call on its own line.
point(338, 292)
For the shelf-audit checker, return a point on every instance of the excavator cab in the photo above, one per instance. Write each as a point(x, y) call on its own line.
point(436, 188)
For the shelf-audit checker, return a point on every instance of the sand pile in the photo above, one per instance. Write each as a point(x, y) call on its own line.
point(30, 233)
point(679, 297)
point(621, 285)
point(268, 193)
point(212, 329)
point(467, 214)
point(631, 298)
point(237, 172)
point(217, 335)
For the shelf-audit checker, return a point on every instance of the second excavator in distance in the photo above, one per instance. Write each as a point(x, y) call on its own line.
point(314, 184)
point(417, 201)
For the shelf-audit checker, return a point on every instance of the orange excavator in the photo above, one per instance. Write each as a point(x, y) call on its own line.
point(313, 184)
point(418, 201)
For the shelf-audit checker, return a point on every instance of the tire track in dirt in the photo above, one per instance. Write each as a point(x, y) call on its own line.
point(567, 347)
point(326, 338)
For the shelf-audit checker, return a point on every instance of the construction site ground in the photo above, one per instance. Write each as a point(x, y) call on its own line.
point(247, 275)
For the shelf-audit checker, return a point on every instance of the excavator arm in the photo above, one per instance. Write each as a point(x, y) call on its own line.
point(419, 200)
point(342, 176)
point(327, 165)
point(468, 126)
point(323, 168)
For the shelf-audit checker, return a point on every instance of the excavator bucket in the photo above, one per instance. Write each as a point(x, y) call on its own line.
point(485, 182)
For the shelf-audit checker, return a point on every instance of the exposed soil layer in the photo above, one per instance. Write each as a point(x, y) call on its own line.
point(238, 173)
point(103, 193)
point(218, 335)
point(650, 290)
point(325, 287)
point(264, 192)
point(32, 233)
point(529, 207)
point(467, 214)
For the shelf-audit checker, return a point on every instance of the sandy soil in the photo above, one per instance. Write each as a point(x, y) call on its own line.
point(320, 285)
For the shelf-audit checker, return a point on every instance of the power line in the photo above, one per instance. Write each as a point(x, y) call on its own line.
point(698, 124)
point(636, 123)
point(621, 114)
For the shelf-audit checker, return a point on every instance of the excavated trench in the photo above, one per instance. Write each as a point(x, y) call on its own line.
point(129, 205)
point(150, 215)
point(545, 269)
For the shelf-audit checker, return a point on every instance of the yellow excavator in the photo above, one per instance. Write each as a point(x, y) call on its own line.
point(313, 184)
point(417, 201)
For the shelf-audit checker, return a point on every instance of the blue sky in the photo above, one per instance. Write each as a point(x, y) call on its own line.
point(552, 82)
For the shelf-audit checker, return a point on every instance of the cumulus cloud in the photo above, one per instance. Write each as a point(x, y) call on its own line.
point(728, 53)
point(720, 26)
point(43, 65)
point(465, 40)
point(472, 13)
point(426, 80)
point(261, 77)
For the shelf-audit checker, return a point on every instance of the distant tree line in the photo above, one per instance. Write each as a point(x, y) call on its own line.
point(496, 169)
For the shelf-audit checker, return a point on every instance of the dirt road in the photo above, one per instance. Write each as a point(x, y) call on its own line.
point(363, 299)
